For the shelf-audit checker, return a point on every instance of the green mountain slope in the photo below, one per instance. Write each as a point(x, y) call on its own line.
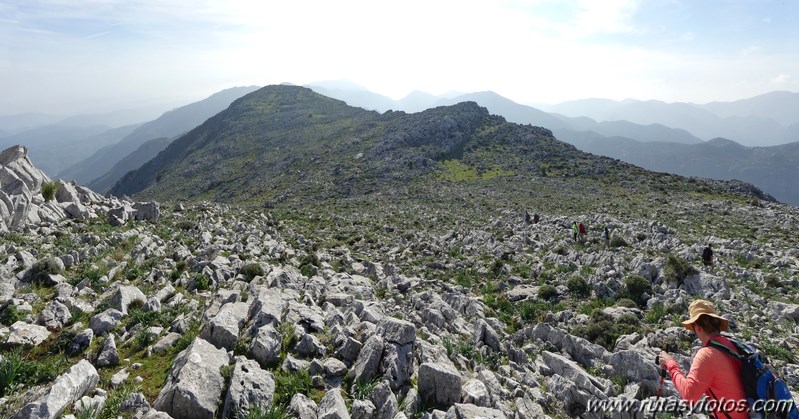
point(287, 144)
point(132, 161)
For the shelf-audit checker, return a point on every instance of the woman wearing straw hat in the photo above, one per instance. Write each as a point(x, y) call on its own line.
point(713, 373)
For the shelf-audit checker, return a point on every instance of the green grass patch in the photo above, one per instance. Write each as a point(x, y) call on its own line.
point(115, 398)
point(287, 384)
point(458, 171)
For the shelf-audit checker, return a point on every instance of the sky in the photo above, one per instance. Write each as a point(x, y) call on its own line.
point(87, 56)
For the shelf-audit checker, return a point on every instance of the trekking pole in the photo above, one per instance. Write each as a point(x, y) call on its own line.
point(663, 375)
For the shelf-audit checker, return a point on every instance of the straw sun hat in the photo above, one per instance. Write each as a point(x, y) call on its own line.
point(700, 307)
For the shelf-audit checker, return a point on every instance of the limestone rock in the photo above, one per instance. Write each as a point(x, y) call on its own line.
point(80, 342)
point(194, 385)
point(108, 355)
point(267, 307)
point(124, 296)
point(166, 342)
point(106, 321)
point(250, 386)
point(469, 411)
point(223, 329)
point(474, 392)
point(265, 347)
point(438, 385)
point(397, 364)
point(366, 366)
point(334, 368)
point(147, 210)
point(309, 346)
point(396, 331)
point(302, 407)
point(332, 406)
point(484, 333)
point(384, 401)
point(65, 390)
point(21, 333)
point(362, 409)
point(569, 369)
point(54, 315)
point(135, 402)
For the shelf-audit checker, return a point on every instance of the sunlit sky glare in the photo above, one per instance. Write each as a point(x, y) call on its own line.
point(80, 56)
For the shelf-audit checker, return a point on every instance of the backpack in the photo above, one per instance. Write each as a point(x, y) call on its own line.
point(767, 394)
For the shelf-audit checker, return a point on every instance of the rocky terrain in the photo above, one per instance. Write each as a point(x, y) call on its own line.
point(434, 301)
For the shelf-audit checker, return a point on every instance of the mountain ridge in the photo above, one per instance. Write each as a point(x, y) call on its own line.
point(283, 143)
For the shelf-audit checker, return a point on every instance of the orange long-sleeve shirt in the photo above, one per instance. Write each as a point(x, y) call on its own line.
point(711, 370)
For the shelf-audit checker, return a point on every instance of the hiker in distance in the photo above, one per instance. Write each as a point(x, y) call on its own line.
point(607, 237)
point(707, 256)
point(574, 230)
point(713, 373)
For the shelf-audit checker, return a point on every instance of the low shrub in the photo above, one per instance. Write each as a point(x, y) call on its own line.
point(251, 270)
point(16, 369)
point(180, 267)
point(11, 315)
point(185, 225)
point(201, 282)
point(187, 338)
point(603, 330)
point(677, 269)
point(654, 315)
point(634, 288)
point(534, 311)
point(10, 368)
point(49, 189)
point(42, 268)
point(547, 292)
point(308, 270)
point(115, 399)
point(618, 241)
point(260, 412)
point(626, 302)
point(578, 287)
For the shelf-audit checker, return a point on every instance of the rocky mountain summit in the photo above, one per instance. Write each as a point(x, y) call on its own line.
point(442, 298)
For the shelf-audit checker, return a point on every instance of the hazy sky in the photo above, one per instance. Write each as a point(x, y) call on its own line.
point(68, 56)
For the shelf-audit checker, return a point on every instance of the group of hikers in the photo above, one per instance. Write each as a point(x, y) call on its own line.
point(579, 231)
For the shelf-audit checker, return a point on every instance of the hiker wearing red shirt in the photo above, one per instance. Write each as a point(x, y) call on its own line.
point(713, 373)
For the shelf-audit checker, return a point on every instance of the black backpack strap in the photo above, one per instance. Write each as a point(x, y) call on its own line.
point(723, 348)
point(727, 415)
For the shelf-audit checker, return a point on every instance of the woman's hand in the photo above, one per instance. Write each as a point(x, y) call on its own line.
point(664, 358)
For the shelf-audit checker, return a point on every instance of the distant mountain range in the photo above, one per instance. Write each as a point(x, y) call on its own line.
point(100, 166)
point(53, 147)
point(768, 119)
